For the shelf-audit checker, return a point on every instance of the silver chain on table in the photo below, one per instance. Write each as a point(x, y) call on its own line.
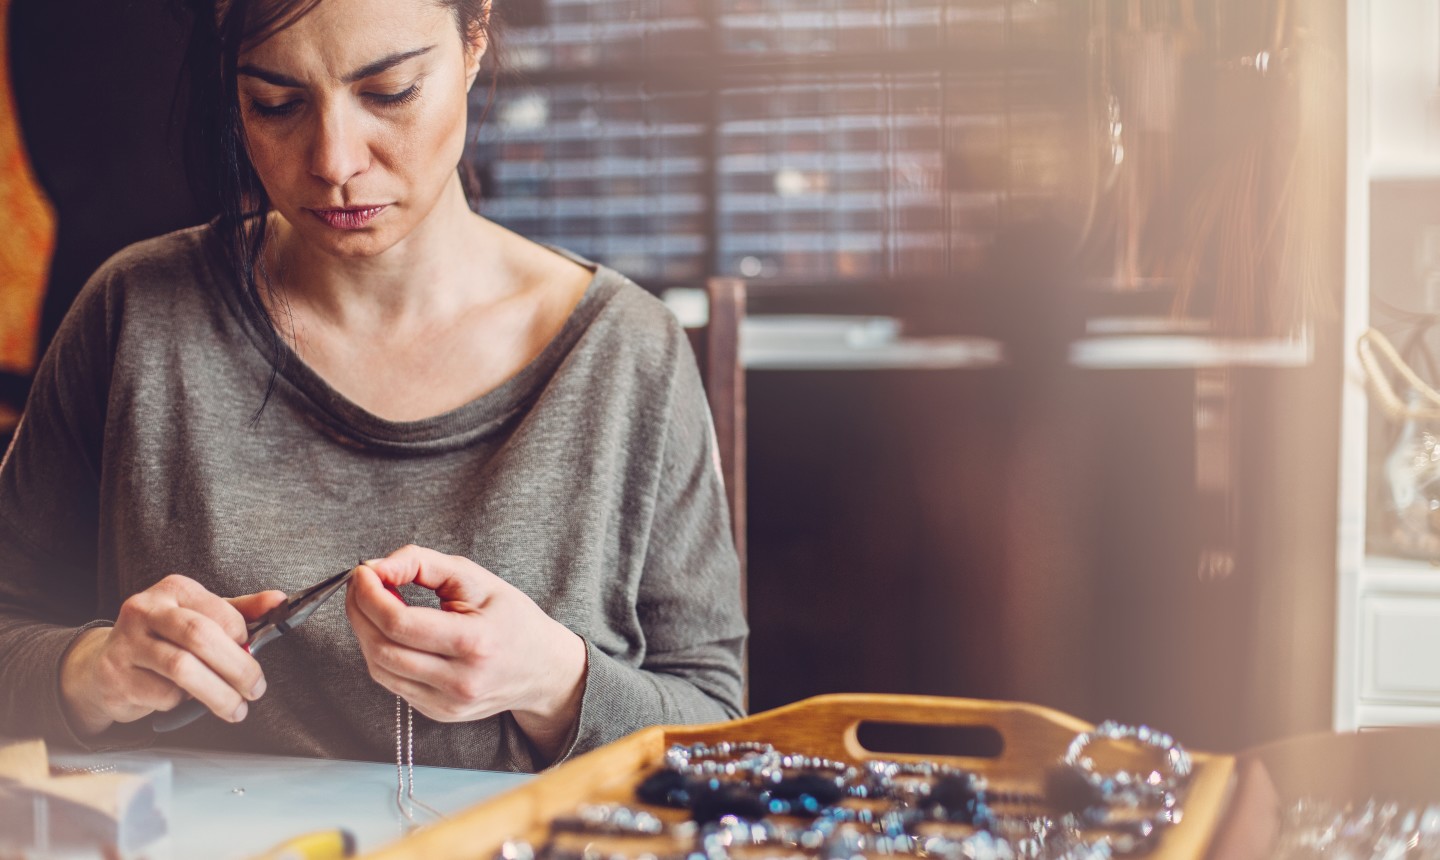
point(405, 765)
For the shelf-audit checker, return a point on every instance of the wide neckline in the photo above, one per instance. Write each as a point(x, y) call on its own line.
point(455, 425)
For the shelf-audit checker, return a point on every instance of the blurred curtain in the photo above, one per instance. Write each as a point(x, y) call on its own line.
point(26, 242)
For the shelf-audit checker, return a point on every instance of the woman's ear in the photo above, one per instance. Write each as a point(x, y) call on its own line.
point(475, 47)
point(474, 52)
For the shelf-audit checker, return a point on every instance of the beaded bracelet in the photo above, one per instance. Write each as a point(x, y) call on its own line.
point(777, 768)
point(612, 819)
point(722, 759)
point(880, 776)
point(805, 795)
point(883, 780)
point(711, 777)
point(1124, 787)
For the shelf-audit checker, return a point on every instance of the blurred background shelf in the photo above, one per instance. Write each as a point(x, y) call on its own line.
point(1173, 351)
point(855, 343)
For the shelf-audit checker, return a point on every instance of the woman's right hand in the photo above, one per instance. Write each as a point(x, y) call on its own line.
point(172, 640)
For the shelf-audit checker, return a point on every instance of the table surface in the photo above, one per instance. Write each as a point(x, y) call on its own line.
point(229, 806)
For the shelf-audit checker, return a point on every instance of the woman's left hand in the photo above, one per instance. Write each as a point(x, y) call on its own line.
point(487, 650)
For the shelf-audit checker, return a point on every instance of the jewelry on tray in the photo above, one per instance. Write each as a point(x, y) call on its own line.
point(611, 819)
point(1129, 788)
point(826, 840)
point(722, 759)
point(749, 801)
point(666, 787)
point(780, 767)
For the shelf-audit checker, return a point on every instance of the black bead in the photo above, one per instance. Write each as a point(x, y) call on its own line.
point(667, 788)
point(712, 804)
point(825, 791)
point(954, 798)
point(953, 791)
point(1069, 791)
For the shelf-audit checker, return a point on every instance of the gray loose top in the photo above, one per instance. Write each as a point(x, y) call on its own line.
point(588, 481)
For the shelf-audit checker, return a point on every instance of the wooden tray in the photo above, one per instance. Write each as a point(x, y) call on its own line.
point(1034, 738)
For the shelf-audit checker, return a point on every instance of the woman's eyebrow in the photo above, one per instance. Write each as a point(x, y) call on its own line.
point(383, 64)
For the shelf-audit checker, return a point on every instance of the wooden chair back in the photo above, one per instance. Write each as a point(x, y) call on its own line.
point(717, 350)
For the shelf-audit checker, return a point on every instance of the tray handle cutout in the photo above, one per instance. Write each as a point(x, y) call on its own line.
point(888, 739)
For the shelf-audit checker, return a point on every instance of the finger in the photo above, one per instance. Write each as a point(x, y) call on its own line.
point(434, 631)
point(187, 672)
point(455, 579)
point(382, 652)
point(425, 699)
point(201, 637)
point(411, 691)
point(252, 606)
point(193, 595)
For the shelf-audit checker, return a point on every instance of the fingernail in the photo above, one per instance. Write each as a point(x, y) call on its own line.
point(240, 713)
point(258, 690)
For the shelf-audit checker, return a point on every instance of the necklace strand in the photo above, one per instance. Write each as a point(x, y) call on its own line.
point(405, 765)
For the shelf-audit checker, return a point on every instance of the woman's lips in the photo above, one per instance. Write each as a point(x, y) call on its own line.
point(349, 218)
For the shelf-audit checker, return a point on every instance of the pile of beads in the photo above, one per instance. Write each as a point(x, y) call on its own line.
point(1375, 830)
point(747, 800)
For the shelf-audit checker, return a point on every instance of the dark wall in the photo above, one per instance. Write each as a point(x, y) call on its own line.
point(94, 84)
point(908, 535)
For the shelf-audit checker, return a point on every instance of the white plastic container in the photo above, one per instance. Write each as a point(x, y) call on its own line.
point(118, 810)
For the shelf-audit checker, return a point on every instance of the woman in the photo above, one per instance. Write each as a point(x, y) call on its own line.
point(528, 427)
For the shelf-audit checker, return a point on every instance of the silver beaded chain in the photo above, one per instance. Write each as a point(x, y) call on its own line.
point(405, 765)
point(727, 758)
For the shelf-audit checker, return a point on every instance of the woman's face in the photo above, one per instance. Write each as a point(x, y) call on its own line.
point(355, 119)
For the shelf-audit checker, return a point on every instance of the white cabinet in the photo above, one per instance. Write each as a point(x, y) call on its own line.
point(1387, 668)
point(1400, 638)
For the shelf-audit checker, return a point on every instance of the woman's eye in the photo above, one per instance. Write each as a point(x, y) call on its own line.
point(283, 109)
point(391, 99)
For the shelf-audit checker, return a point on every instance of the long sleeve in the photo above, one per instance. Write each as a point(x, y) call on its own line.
point(689, 596)
point(48, 521)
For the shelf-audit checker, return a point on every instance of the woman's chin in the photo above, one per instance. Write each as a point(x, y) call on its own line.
point(368, 241)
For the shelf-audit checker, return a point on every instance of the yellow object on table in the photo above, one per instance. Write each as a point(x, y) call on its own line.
point(322, 845)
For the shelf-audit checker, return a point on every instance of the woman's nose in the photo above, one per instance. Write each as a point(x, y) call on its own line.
point(340, 151)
